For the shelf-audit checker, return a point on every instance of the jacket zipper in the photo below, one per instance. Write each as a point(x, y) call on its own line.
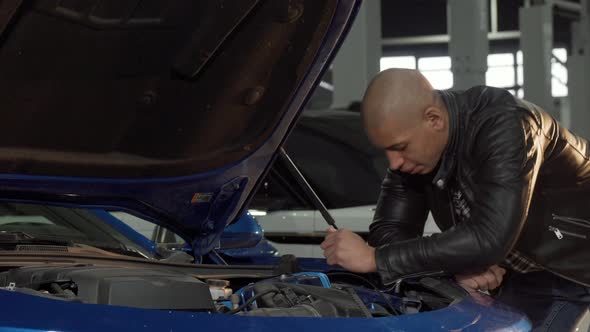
point(452, 208)
point(559, 233)
point(574, 221)
point(564, 277)
point(561, 275)
point(557, 274)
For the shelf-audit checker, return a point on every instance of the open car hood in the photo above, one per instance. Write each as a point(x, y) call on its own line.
point(172, 110)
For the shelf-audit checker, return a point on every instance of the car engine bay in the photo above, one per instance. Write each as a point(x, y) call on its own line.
point(303, 294)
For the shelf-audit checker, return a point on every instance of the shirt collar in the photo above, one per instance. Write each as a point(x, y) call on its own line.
point(448, 160)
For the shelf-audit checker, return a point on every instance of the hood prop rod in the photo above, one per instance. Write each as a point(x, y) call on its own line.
point(317, 202)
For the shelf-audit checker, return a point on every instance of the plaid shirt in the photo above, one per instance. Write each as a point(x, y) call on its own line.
point(519, 263)
point(514, 260)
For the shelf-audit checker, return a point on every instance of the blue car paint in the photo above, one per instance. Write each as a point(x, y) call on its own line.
point(262, 249)
point(244, 233)
point(247, 223)
point(255, 246)
point(172, 197)
point(27, 312)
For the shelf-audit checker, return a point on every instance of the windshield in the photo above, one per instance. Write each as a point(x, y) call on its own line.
point(66, 225)
point(160, 235)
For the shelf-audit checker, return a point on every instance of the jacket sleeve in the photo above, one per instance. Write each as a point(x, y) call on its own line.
point(507, 159)
point(401, 210)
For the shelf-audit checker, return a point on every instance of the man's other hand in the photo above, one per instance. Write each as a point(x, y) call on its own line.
point(349, 250)
point(486, 281)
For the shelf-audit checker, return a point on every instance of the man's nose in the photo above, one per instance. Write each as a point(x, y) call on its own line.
point(395, 158)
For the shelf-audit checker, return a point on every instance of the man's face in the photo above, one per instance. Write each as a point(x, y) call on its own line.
point(413, 147)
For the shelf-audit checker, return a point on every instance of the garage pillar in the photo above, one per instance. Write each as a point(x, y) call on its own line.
point(579, 74)
point(467, 23)
point(536, 43)
point(358, 59)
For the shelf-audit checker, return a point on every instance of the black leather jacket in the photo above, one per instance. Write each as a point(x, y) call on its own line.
point(526, 181)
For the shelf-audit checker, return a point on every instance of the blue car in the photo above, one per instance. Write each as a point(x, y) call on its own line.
point(173, 111)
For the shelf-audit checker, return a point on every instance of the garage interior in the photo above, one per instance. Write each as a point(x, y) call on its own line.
point(536, 49)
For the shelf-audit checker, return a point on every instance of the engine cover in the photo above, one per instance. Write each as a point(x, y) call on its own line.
point(133, 287)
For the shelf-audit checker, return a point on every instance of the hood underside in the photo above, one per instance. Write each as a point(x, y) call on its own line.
point(168, 109)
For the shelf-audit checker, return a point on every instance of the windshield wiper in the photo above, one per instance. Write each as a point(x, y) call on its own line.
point(10, 239)
point(123, 250)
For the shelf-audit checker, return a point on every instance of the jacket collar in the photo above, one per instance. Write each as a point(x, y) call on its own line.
point(449, 157)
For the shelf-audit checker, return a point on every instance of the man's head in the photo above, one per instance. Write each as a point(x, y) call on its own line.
point(406, 117)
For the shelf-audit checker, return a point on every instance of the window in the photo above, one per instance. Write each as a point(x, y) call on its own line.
point(558, 72)
point(408, 62)
point(148, 229)
point(437, 70)
point(505, 70)
point(519, 70)
point(62, 224)
point(501, 71)
point(141, 226)
point(24, 220)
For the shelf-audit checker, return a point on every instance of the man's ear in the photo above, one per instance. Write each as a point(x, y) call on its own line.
point(434, 118)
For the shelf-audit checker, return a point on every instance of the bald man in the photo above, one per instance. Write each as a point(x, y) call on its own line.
point(506, 184)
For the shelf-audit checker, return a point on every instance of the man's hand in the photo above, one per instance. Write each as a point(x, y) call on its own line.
point(349, 250)
point(488, 280)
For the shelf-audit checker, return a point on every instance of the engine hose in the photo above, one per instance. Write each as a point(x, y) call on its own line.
point(359, 302)
point(249, 302)
point(56, 289)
